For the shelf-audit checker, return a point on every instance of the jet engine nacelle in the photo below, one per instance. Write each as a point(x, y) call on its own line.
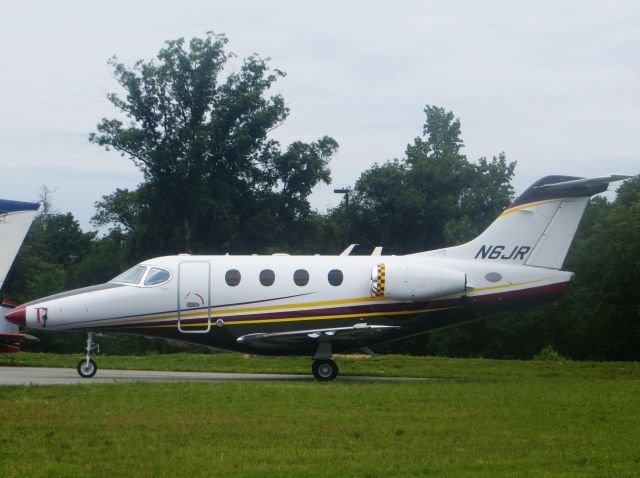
point(402, 281)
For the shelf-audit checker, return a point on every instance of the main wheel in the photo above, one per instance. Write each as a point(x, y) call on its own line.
point(87, 369)
point(324, 370)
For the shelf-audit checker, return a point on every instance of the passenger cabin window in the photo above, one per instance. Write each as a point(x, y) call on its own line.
point(267, 277)
point(232, 277)
point(157, 276)
point(132, 276)
point(335, 277)
point(301, 277)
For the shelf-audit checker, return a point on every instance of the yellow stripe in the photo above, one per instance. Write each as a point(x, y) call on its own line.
point(527, 206)
point(305, 319)
point(295, 306)
point(301, 306)
point(218, 312)
point(504, 286)
point(340, 316)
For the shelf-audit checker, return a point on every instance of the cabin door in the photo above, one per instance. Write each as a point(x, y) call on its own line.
point(194, 297)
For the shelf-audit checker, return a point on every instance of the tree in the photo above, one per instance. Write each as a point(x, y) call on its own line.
point(434, 195)
point(120, 208)
point(211, 173)
point(600, 317)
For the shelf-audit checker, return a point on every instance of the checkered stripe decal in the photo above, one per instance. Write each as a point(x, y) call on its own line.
point(377, 281)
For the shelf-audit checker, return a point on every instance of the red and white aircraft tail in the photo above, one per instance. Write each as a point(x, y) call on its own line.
point(538, 228)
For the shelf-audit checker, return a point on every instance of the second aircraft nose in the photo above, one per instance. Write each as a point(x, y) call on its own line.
point(18, 315)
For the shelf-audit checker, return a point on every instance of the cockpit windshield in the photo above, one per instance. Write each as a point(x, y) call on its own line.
point(132, 276)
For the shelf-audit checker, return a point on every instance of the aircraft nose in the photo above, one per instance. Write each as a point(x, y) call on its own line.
point(18, 315)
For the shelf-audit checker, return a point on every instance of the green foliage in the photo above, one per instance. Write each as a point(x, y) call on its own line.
point(434, 195)
point(497, 418)
point(214, 181)
point(120, 209)
point(601, 313)
point(549, 354)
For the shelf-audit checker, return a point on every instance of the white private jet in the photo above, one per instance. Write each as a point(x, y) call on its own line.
point(15, 219)
point(319, 305)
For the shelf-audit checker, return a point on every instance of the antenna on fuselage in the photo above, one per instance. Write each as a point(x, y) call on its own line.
point(348, 250)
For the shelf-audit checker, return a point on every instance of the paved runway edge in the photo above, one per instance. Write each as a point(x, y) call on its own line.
point(67, 376)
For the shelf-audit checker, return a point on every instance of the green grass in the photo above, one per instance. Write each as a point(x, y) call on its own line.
point(379, 366)
point(497, 418)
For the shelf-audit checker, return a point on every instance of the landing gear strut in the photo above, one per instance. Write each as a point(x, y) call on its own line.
point(87, 368)
point(324, 370)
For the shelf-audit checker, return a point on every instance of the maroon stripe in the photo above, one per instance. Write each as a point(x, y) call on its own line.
point(369, 308)
point(529, 292)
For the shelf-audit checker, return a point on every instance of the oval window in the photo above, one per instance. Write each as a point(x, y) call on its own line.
point(493, 277)
point(232, 277)
point(157, 276)
point(301, 277)
point(267, 277)
point(335, 277)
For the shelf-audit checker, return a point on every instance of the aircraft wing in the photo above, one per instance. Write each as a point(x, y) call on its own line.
point(355, 332)
point(10, 343)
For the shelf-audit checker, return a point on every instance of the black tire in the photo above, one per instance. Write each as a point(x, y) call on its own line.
point(324, 370)
point(87, 369)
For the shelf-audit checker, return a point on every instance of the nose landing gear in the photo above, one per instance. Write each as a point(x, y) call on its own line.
point(87, 368)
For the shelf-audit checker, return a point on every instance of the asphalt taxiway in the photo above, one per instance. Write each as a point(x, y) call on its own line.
point(67, 376)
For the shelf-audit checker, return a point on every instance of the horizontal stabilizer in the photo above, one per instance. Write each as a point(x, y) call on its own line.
point(584, 182)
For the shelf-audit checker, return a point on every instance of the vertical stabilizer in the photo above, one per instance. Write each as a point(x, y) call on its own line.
point(538, 228)
point(15, 219)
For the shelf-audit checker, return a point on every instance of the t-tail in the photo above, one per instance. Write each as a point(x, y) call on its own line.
point(538, 228)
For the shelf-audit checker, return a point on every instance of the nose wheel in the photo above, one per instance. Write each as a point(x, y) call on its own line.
point(87, 368)
point(324, 370)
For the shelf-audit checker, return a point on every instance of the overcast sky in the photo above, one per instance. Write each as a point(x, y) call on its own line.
point(555, 85)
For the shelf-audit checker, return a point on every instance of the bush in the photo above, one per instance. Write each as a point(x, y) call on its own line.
point(549, 354)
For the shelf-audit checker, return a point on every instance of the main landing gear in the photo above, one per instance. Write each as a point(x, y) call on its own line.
point(324, 370)
point(87, 368)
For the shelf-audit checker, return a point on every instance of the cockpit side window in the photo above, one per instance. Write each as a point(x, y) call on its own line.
point(132, 276)
point(157, 276)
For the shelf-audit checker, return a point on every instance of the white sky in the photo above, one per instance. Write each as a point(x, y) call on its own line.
point(554, 84)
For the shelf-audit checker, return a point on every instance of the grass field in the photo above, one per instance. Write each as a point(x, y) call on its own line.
point(494, 418)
